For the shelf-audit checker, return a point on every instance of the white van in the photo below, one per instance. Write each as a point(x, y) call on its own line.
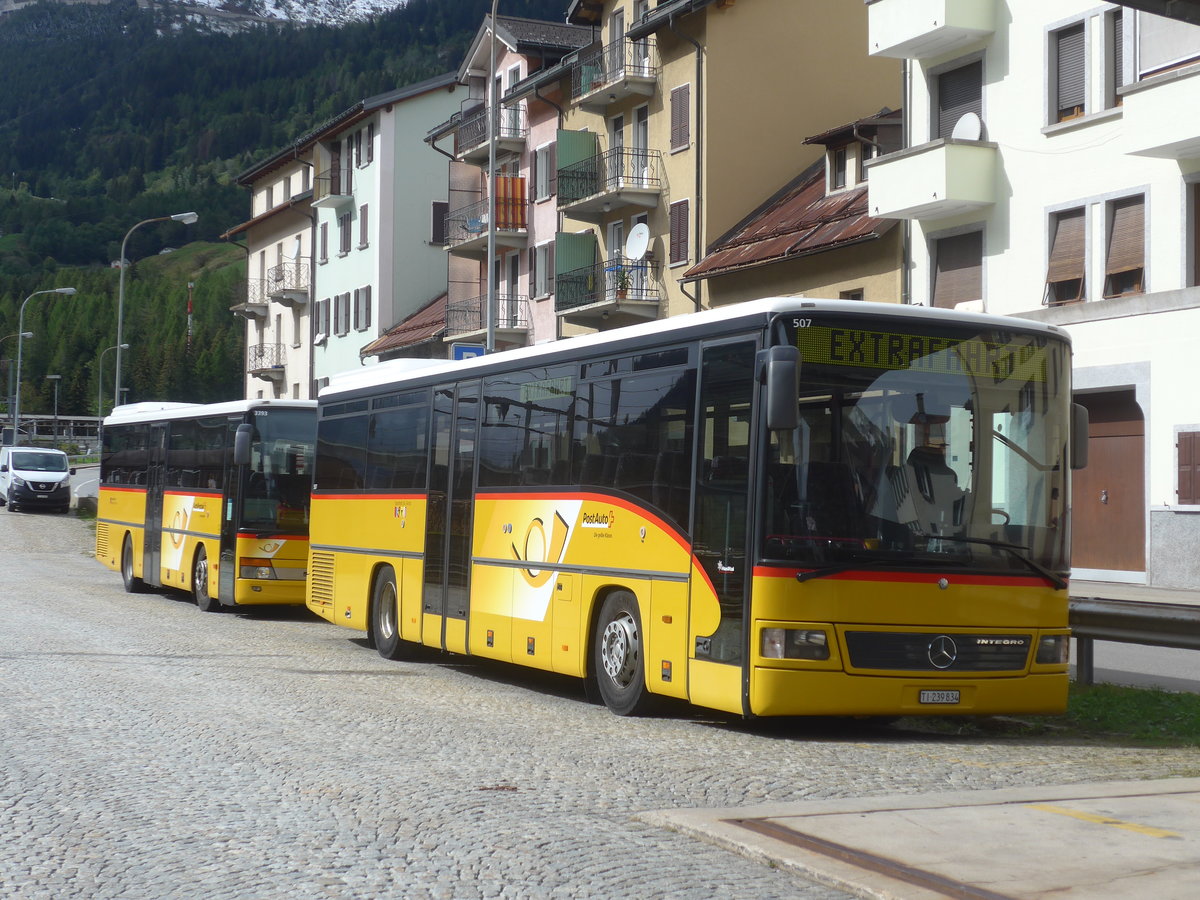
point(35, 477)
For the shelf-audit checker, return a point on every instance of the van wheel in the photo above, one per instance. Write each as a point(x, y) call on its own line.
point(133, 584)
point(617, 656)
point(200, 584)
point(385, 618)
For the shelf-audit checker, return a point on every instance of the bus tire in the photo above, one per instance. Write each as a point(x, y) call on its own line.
point(385, 617)
point(133, 584)
point(617, 656)
point(204, 601)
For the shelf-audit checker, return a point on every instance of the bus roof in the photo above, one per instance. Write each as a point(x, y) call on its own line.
point(156, 411)
point(726, 319)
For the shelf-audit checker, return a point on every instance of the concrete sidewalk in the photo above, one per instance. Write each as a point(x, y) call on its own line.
point(1110, 590)
point(1097, 841)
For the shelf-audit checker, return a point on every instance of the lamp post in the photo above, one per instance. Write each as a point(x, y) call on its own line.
point(56, 379)
point(186, 218)
point(492, 113)
point(100, 378)
point(8, 397)
point(16, 438)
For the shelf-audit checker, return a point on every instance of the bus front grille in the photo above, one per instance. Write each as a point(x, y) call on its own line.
point(320, 579)
point(938, 651)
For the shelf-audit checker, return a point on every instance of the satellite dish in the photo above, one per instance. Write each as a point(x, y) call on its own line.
point(638, 241)
point(967, 128)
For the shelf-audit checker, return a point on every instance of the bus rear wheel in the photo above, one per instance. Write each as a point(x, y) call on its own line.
point(385, 618)
point(617, 656)
point(200, 583)
point(133, 584)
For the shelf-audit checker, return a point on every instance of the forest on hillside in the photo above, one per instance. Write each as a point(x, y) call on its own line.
point(112, 114)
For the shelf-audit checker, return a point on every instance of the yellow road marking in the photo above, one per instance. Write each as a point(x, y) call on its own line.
point(1105, 820)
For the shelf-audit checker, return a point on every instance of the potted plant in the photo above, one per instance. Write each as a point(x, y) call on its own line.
point(622, 280)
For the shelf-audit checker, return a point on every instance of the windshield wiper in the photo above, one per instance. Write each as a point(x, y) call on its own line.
point(1016, 550)
point(841, 567)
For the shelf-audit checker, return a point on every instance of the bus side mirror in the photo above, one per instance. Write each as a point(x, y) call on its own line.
point(241, 444)
point(1079, 436)
point(782, 377)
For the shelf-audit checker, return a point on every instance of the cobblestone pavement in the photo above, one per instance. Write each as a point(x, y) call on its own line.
point(148, 750)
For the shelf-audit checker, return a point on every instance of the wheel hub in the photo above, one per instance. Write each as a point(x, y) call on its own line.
point(619, 650)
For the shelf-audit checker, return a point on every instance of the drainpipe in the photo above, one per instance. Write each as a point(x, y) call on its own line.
point(699, 191)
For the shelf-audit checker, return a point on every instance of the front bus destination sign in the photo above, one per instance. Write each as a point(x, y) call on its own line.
point(1021, 356)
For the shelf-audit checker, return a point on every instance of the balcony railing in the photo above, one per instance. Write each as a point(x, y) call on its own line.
point(467, 226)
point(334, 186)
point(617, 177)
point(288, 282)
point(470, 141)
point(617, 281)
point(922, 29)
point(615, 72)
point(470, 316)
point(265, 360)
point(249, 298)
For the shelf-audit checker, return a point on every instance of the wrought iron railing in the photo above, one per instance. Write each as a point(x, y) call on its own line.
point(613, 62)
point(469, 222)
point(264, 356)
point(289, 276)
point(618, 278)
point(473, 132)
point(335, 181)
point(612, 170)
point(467, 316)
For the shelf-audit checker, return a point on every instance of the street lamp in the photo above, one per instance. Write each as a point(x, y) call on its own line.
point(186, 218)
point(16, 438)
point(100, 378)
point(56, 379)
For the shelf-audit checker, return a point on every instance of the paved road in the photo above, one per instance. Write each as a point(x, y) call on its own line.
point(148, 750)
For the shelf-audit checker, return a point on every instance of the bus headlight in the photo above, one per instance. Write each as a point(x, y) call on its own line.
point(1054, 649)
point(251, 567)
point(794, 643)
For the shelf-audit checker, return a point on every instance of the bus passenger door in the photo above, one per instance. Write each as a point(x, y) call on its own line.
point(231, 502)
point(152, 536)
point(450, 516)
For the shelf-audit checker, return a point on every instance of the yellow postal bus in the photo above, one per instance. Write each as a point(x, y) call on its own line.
point(211, 499)
point(785, 507)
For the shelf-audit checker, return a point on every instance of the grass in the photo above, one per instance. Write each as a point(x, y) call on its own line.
point(1103, 713)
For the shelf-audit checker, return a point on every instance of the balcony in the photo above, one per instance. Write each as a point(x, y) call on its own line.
point(933, 181)
point(471, 137)
point(1152, 119)
point(621, 291)
point(287, 283)
point(615, 72)
point(619, 177)
point(334, 188)
point(250, 299)
point(265, 361)
point(467, 227)
point(920, 29)
point(467, 319)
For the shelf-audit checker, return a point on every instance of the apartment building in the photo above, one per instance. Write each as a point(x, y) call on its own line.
point(1049, 171)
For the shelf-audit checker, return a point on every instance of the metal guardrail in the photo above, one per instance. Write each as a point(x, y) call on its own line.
point(1129, 622)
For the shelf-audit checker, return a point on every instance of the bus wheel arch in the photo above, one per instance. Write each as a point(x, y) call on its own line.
point(617, 658)
point(383, 619)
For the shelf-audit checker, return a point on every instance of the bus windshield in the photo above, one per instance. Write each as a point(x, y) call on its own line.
point(276, 493)
point(939, 445)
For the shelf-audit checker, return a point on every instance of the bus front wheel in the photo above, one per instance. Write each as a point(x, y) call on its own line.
point(200, 584)
point(385, 618)
point(133, 584)
point(617, 656)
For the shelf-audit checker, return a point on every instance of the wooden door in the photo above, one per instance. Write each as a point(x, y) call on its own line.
point(1109, 497)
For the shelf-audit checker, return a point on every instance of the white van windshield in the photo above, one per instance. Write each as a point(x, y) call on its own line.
point(34, 461)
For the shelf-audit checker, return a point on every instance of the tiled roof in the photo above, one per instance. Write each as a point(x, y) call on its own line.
point(799, 221)
point(529, 34)
point(426, 324)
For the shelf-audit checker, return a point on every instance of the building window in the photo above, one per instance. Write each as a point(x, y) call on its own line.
point(320, 319)
point(1066, 273)
point(439, 209)
point(305, 175)
point(541, 270)
point(362, 308)
point(363, 228)
point(856, 294)
point(959, 91)
point(837, 168)
point(370, 142)
point(1124, 265)
point(1114, 42)
point(323, 254)
point(679, 232)
point(1070, 73)
point(287, 188)
point(271, 197)
point(543, 172)
point(1165, 44)
point(1188, 448)
point(358, 149)
point(344, 234)
point(866, 153)
point(957, 269)
point(681, 132)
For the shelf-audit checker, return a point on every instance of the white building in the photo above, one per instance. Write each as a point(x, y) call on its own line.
point(1050, 172)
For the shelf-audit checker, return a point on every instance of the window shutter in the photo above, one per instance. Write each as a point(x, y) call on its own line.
point(439, 211)
point(1118, 51)
point(960, 91)
point(371, 142)
point(366, 307)
point(959, 273)
point(550, 269)
point(1072, 72)
point(552, 176)
point(534, 193)
point(1189, 462)
point(1127, 238)
point(363, 229)
point(679, 231)
point(1066, 253)
point(357, 309)
point(680, 117)
point(533, 272)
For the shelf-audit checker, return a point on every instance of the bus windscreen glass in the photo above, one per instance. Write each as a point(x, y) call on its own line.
point(276, 495)
point(922, 446)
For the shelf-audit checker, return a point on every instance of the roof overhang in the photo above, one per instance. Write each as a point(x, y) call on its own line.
point(1183, 10)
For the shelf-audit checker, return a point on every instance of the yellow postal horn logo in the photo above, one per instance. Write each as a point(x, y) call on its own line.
point(540, 549)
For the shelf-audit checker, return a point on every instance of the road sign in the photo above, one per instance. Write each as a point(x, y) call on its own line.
point(466, 351)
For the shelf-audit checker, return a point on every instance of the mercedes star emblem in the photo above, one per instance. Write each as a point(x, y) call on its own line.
point(942, 652)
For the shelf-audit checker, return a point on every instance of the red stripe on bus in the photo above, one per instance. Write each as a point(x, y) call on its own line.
point(337, 496)
point(211, 494)
point(124, 490)
point(907, 577)
point(299, 538)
